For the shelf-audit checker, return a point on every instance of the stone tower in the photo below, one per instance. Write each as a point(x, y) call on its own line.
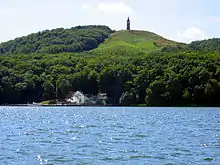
point(128, 24)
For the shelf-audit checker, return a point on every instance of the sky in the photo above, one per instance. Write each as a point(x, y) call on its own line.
point(179, 20)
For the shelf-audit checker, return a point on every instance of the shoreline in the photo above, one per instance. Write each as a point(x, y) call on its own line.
point(55, 105)
point(73, 105)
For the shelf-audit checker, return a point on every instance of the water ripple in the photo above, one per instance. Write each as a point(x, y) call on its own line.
point(109, 135)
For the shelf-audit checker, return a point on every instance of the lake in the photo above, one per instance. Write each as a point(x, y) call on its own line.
point(109, 135)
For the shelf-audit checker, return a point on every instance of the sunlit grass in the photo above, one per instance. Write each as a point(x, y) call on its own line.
point(133, 41)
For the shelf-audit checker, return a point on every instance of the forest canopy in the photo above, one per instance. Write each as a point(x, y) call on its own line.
point(172, 75)
point(76, 39)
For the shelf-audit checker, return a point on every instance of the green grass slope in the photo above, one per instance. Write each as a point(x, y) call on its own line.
point(96, 39)
point(141, 41)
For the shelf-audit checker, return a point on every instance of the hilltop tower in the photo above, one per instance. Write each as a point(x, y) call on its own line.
point(128, 24)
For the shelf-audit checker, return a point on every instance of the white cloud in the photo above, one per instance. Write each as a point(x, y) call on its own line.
point(85, 6)
point(191, 34)
point(114, 7)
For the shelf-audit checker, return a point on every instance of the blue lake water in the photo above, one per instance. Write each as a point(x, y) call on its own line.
point(109, 135)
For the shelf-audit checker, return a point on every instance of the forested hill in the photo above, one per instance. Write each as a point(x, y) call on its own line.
point(76, 39)
point(209, 45)
point(84, 38)
point(131, 67)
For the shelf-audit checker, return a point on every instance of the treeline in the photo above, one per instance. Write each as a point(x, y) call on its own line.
point(76, 39)
point(210, 45)
point(158, 79)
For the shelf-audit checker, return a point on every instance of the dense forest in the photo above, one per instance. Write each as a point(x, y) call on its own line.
point(174, 75)
point(76, 39)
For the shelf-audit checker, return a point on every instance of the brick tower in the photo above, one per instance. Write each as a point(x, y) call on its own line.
point(128, 24)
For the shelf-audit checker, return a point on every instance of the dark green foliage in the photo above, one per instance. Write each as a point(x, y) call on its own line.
point(174, 48)
point(129, 97)
point(178, 75)
point(77, 39)
point(156, 80)
point(206, 45)
point(210, 45)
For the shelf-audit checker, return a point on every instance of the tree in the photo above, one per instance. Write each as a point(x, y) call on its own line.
point(49, 90)
point(129, 98)
point(62, 87)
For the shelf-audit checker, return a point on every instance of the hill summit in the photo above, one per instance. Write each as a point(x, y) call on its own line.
point(133, 39)
point(83, 38)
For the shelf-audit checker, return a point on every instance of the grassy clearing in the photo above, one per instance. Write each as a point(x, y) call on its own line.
point(129, 41)
point(49, 102)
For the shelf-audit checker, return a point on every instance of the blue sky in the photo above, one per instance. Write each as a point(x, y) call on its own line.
point(179, 20)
